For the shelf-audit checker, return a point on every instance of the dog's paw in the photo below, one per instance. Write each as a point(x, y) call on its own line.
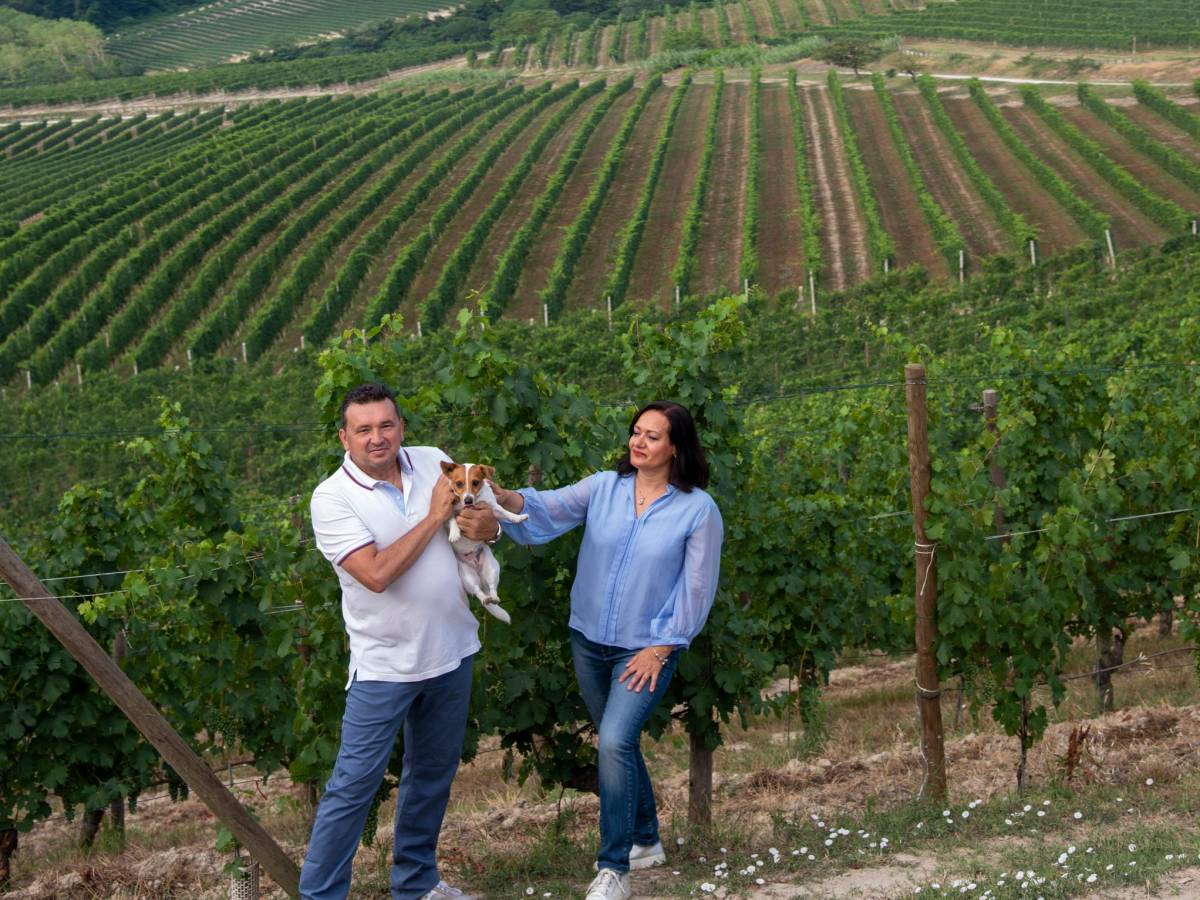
point(498, 611)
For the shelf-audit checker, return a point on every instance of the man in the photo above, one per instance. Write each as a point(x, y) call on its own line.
point(379, 520)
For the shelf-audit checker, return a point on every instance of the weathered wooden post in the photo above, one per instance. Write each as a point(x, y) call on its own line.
point(149, 721)
point(929, 692)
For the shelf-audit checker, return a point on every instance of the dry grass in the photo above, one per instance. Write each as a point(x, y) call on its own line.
point(501, 837)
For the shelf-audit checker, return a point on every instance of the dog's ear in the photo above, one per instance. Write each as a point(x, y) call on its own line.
point(447, 467)
point(488, 471)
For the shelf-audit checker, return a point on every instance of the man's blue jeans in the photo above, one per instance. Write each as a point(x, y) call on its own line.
point(434, 716)
point(627, 812)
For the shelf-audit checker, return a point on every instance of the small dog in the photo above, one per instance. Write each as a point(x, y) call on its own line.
point(477, 566)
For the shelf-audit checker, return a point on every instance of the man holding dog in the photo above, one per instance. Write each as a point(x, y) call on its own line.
point(379, 520)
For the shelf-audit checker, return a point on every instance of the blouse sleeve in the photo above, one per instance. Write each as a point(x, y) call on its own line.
point(551, 513)
point(692, 598)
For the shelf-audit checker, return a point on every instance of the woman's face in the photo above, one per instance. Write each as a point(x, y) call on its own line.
point(650, 443)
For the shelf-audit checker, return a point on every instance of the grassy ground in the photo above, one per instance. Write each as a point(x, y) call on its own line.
point(838, 819)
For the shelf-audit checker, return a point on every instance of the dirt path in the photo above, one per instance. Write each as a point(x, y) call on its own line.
point(536, 271)
point(843, 231)
point(898, 204)
point(651, 276)
point(1057, 231)
point(595, 263)
point(1147, 172)
point(780, 232)
point(947, 181)
point(126, 108)
point(719, 249)
point(1129, 226)
point(518, 210)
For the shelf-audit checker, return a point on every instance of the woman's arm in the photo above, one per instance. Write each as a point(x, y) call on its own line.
point(692, 598)
point(551, 513)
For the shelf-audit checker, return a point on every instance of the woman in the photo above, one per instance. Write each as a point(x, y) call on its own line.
point(643, 588)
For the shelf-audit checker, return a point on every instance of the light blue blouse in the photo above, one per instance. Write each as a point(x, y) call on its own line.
point(639, 582)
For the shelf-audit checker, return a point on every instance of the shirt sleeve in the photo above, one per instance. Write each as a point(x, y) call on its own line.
point(551, 513)
point(338, 529)
point(692, 598)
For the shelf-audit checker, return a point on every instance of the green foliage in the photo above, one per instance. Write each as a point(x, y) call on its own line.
point(749, 268)
point(1019, 230)
point(850, 53)
point(685, 262)
point(1167, 157)
point(555, 293)
point(882, 246)
point(810, 218)
point(1087, 216)
point(35, 50)
point(512, 260)
point(454, 273)
point(945, 231)
point(1150, 96)
point(1165, 212)
point(631, 232)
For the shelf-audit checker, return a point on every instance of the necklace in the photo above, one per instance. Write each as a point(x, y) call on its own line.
point(641, 496)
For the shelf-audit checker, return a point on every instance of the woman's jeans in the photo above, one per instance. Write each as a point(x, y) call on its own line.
point(627, 812)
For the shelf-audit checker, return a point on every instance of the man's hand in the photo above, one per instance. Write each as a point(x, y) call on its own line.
point(478, 522)
point(441, 502)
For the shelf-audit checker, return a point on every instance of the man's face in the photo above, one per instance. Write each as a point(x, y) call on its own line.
point(373, 434)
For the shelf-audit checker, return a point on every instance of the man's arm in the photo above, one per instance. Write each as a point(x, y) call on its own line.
point(375, 569)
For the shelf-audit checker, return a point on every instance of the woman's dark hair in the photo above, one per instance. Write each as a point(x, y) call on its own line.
point(689, 468)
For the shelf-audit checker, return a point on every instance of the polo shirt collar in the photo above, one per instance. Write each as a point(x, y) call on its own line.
point(363, 480)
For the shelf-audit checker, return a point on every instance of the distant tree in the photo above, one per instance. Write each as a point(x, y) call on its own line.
point(849, 53)
point(524, 19)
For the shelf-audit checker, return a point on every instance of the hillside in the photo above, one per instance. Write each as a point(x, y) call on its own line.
point(205, 239)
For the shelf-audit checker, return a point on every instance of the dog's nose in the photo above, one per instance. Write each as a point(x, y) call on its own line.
point(469, 500)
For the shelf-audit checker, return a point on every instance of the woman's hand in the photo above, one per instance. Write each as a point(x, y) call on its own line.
point(510, 500)
point(643, 669)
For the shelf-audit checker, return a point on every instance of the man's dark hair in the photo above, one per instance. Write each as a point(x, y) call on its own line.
point(371, 392)
point(689, 467)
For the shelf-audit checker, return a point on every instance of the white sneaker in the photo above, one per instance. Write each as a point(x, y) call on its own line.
point(443, 891)
point(646, 857)
point(643, 857)
point(608, 885)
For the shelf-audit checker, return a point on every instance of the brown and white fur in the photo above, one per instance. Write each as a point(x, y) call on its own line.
point(477, 566)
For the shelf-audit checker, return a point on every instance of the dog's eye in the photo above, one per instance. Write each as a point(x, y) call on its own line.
point(458, 484)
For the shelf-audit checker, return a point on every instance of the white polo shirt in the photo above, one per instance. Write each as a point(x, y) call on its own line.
point(420, 626)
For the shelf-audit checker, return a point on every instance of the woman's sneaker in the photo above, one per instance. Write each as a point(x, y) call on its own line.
point(609, 885)
point(643, 857)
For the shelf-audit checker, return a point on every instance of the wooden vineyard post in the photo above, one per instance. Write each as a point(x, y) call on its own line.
point(148, 720)
point(929, 703)
point(1112, 250)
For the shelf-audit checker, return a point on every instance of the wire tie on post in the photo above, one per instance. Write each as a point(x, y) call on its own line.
point(923, 549)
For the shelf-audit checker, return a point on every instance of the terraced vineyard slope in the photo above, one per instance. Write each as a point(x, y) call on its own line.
point(158, 240)
point(228, 29)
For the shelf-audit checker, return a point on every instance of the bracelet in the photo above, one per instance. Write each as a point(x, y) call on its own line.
point(662, 660)
point(499, 533)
